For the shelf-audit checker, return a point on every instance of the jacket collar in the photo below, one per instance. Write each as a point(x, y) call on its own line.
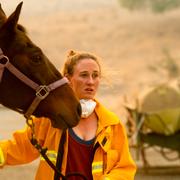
point(105, 117)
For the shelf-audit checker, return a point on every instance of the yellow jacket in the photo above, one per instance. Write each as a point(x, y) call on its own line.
point(112, 160)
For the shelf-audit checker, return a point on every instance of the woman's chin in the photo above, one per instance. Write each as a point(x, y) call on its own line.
point(87, 96)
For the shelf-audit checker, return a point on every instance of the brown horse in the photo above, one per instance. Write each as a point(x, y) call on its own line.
point(60, 105)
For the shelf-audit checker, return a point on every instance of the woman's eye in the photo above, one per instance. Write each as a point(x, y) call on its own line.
point(84, 75)
point(95, 75)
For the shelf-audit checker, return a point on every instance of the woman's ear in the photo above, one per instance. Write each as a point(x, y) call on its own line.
point(69, 78)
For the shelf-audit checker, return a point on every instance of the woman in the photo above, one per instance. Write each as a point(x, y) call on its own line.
point(97, 147)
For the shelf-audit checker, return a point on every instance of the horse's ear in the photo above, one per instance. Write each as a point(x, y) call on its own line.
point(11, 22)
point(2, 16)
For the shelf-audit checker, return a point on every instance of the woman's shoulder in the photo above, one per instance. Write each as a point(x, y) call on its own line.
point(106, 116)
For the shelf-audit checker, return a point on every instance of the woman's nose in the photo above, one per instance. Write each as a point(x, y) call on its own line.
point(90, 80)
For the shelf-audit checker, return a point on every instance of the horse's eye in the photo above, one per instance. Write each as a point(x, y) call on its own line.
point(29, 45)
point(36, 59)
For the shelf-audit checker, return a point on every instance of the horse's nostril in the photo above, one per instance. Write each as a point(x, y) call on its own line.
point(79, 109)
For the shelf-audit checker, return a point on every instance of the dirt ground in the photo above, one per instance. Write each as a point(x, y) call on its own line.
point(133, 47)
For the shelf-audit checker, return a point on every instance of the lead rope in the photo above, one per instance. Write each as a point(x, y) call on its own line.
point(40, 149)
point(43, 151)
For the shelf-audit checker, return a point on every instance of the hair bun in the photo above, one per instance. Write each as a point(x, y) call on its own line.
point(71, 53)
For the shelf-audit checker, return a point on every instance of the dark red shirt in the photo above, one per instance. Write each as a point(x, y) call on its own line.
point(80, 156)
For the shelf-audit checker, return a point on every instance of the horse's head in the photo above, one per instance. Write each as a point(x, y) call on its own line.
point(61, 105)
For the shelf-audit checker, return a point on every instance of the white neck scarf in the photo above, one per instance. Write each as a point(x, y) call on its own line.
point(87, 106)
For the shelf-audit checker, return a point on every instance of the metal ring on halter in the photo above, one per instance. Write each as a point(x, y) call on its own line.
point(3, 64)
point(1, 60)
point(42, 91)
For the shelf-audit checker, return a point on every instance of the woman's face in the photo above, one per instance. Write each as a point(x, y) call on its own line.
point(85, 79)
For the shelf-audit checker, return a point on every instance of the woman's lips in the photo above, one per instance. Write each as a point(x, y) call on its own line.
point(89, 90)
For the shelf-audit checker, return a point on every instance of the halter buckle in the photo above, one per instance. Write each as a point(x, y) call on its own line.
point(42, 92)
point(4, 60)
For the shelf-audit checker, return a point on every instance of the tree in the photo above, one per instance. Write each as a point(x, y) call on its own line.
point(157, 6)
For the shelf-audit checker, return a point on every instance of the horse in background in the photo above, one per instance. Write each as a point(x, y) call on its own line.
point(60, 105)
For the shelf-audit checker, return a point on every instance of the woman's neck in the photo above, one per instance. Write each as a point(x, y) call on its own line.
point(86, 128)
